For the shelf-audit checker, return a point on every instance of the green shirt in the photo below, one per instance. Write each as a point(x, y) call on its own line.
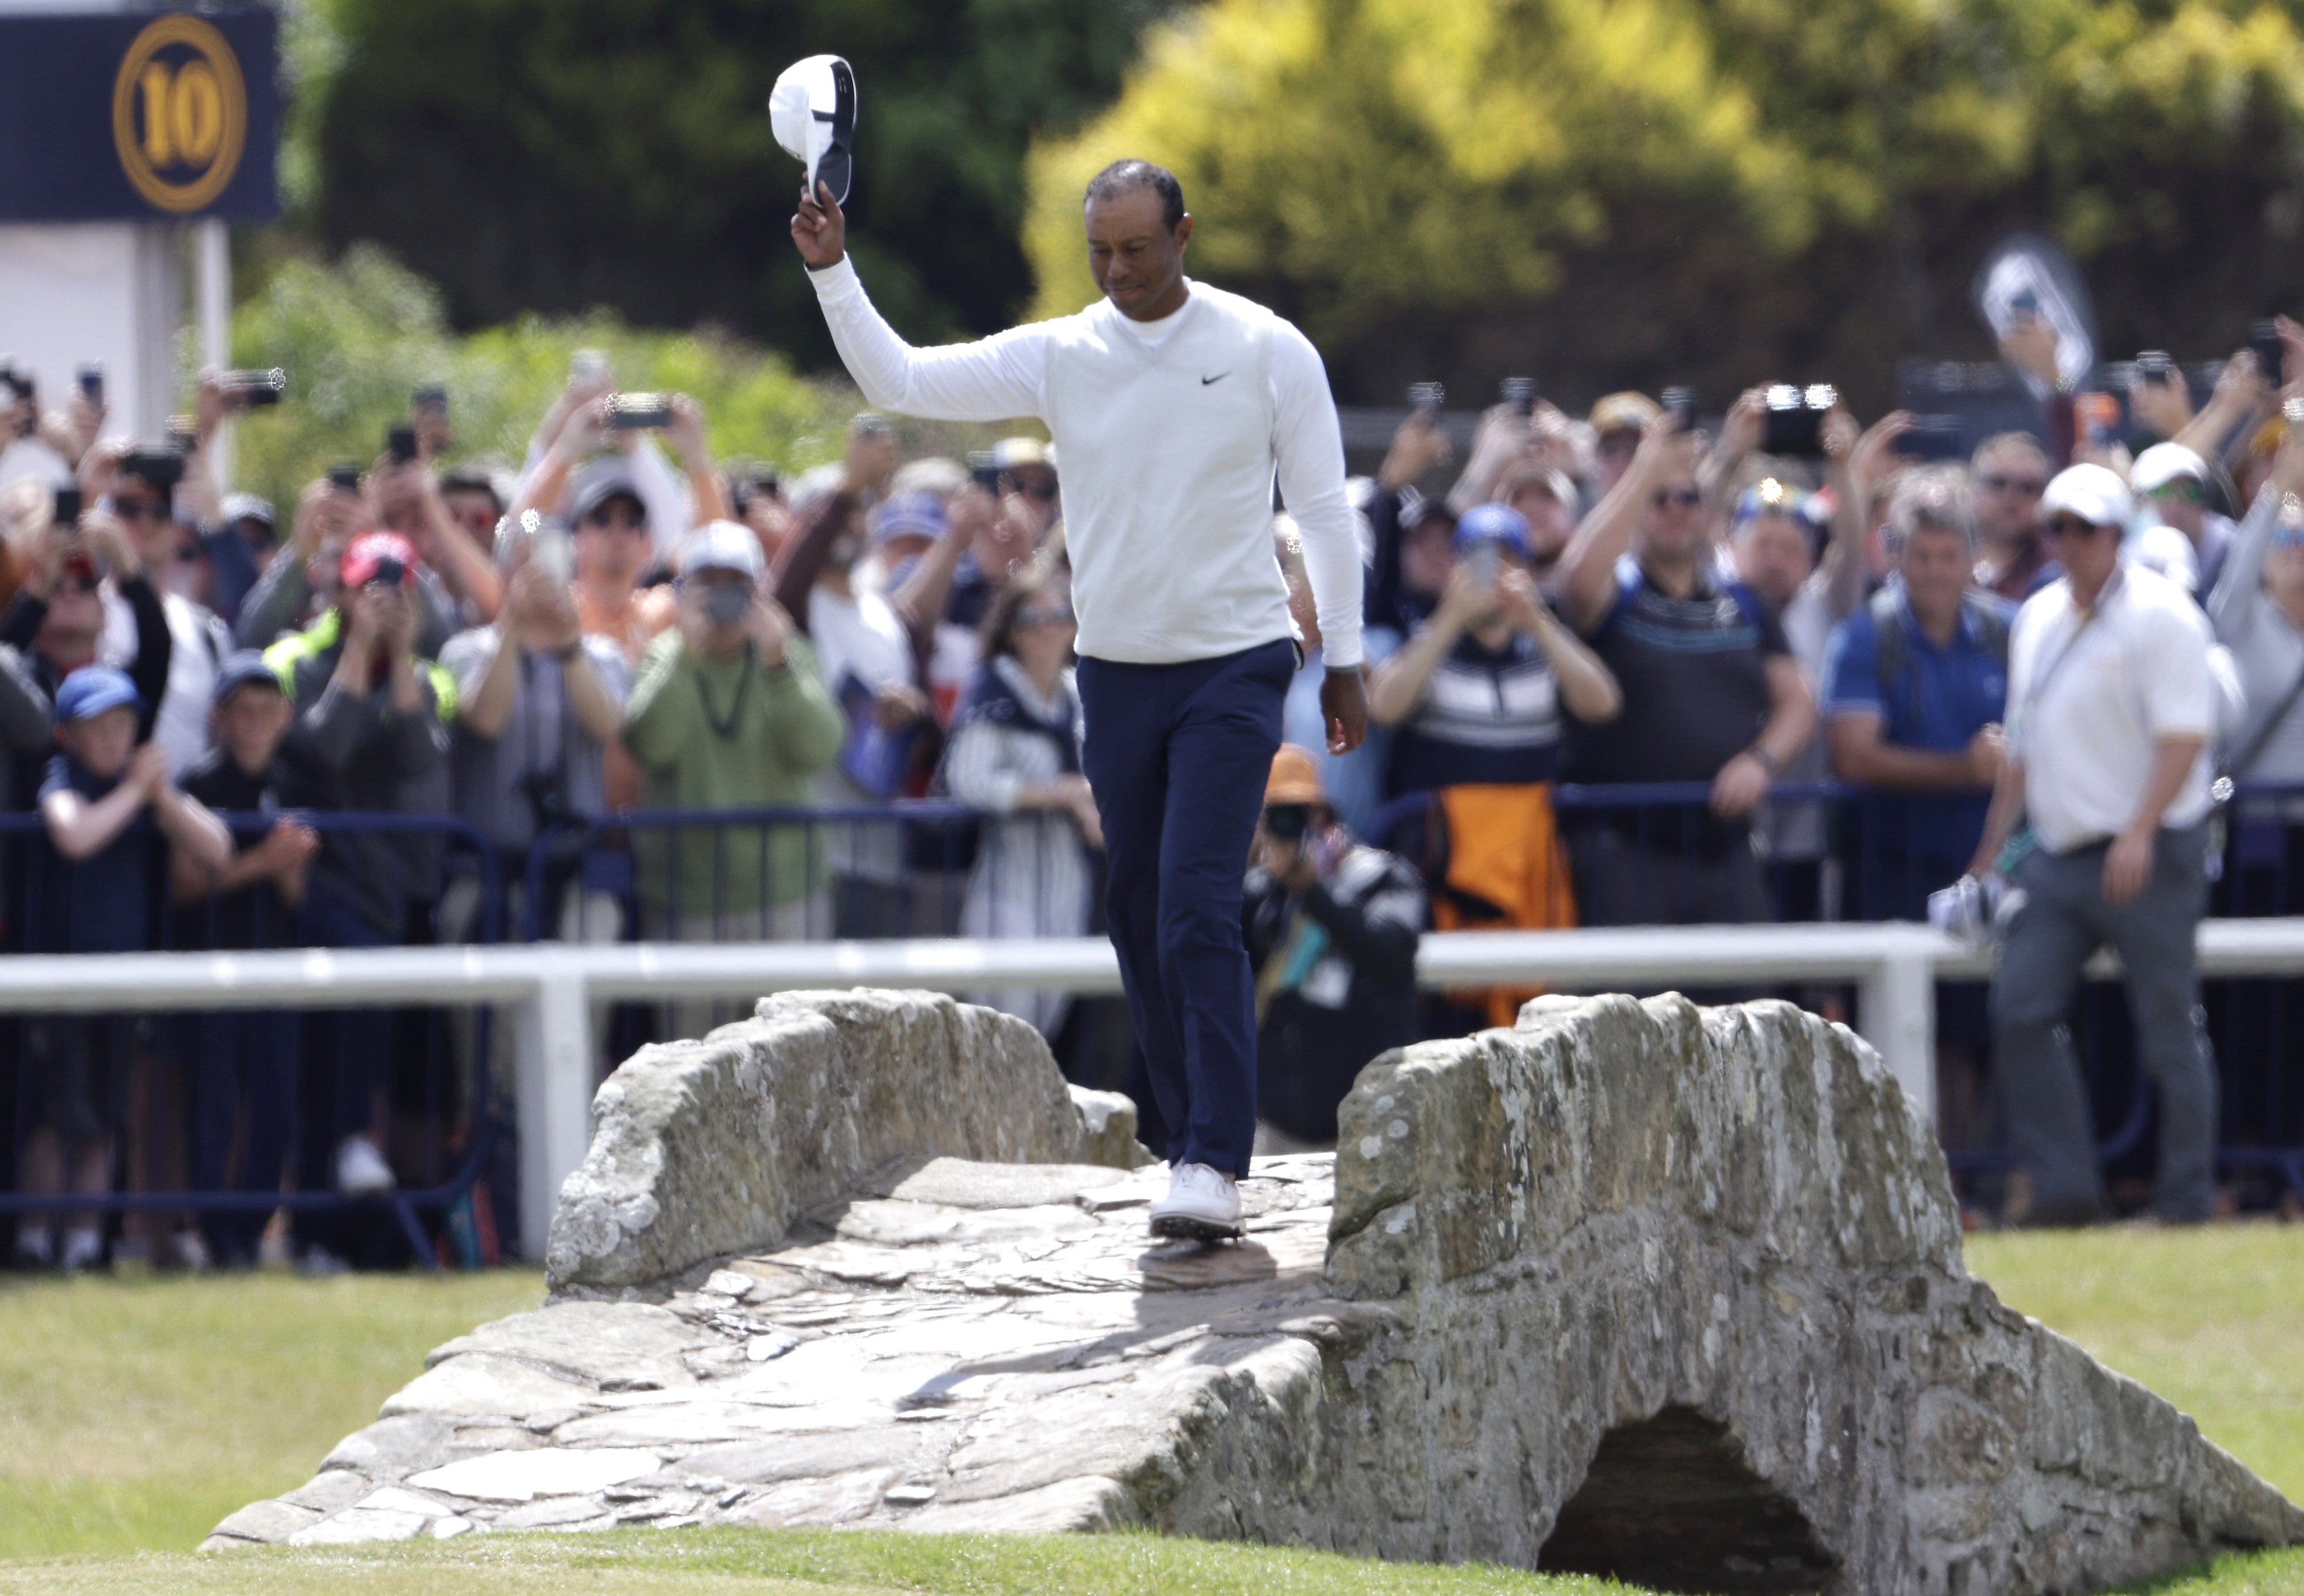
point(728, 733)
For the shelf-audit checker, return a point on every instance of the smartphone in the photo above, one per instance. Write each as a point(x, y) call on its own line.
point(91, 382)
point(1794, 424)
point(185, 434)
point(1425, 398)
point(344, 478)
point(2153, 366)
point(983, 466)
point(252, 389)
point(550, 549)
point(588, 368)
point(431, 400)
point(2099, 418)
point(66, 514)
point(1485, 559)
point(635, 413)
point(1680, 404)
point(162, 468)
point(1518, 395)
point(401, 441)
point(2271, 352)
point(1933, 438)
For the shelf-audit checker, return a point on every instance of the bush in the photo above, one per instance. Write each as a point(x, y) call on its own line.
point(357, 337)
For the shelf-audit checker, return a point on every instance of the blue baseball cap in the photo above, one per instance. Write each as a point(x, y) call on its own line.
point(241, 668)
point(908, 515)
point(1492, 524)
point(91, 689)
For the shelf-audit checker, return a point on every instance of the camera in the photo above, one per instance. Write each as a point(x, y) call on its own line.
point(1680, 404)
point(160, 464)
point(19, 384)
point(634, 412)
point(389, 573)
point(1518, 395)
point(66, 514)
point(344, 477)
point(726, 602)
point(253, 388)
point(2271, 353)
point(2153, 366)
point(1288, 822)
point(399, 442)
point(1425, 398)
point(1795, 419)
point(983, 467)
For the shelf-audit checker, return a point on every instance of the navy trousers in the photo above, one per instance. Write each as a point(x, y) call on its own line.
point(1178, 756)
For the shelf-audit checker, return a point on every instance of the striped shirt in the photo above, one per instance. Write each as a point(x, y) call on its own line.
point(1489, 715)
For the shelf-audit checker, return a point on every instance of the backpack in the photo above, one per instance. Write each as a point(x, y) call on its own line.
point(1895, 635)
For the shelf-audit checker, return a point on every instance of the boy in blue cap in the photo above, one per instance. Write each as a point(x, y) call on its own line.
point(88, 891)
point(244, 1058)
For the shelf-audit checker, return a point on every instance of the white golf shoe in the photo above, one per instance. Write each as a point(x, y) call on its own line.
point(1202, 1205)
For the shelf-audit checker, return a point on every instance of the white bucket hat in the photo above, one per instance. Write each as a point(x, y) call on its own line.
point(812, 111)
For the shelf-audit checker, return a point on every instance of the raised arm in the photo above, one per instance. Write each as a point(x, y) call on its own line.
point(990, 380)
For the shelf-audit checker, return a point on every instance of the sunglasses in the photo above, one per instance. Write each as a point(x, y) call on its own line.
point(190, 553)
point(1686, 498)
point(2029, 486)
point(2287, 537)
point(2184, 490)
point(2072, 526)
point(1045, 614)
point(76, 581)
point(1043, 492)
point(1621, 443)
point(625, 520)
point(138, 509)
point(1288, 822)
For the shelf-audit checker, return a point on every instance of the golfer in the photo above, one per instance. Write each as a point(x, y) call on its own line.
point(1171, 404)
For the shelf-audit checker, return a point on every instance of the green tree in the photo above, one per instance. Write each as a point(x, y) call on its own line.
point(556, 154)
point(357, 337)
point(1650, 190)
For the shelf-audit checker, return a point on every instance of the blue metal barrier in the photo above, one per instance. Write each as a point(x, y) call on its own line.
point(179, 927)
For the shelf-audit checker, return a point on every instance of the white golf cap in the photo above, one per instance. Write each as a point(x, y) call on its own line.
point(723, 546)
point(2093, 493)
point(2166, 550)
point(2162, 464)
point(812, 111)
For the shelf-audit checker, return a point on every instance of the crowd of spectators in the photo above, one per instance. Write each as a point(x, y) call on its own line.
point(583, 679)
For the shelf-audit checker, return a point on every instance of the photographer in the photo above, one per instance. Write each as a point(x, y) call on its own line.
point(584, 422)
point(2112, 704)
point(729, 712)
point(538, 701)
point(1712, 693)
point(302, 583)
point(1331, 929)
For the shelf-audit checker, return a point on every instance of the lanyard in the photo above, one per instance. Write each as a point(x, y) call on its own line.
point(726, 730)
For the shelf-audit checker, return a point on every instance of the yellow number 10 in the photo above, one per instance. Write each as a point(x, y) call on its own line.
point(183, 113)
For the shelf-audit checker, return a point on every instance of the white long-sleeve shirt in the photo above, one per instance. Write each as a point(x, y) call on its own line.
point(1167, 469)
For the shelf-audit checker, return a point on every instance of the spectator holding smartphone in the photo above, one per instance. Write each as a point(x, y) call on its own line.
point(2112, 705)
point(370, 734)
point(1712, 693)
point(88, 892)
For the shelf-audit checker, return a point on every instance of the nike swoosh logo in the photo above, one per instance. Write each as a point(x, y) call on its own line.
point(1219, 377)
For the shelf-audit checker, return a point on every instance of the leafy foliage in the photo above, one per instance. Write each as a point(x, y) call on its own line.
point(1698, 183)
point(357, 337)
point(554, 155)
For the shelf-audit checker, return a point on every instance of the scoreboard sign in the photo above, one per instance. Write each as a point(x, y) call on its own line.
point(142, 117)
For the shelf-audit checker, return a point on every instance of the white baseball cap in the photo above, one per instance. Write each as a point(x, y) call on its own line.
point(812, 111)
point(2162, 464)
point(723, 546)
point(2093, 493)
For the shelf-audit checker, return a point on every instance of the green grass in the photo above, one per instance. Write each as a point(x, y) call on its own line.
point(134, 1413)
point(2212, 1320)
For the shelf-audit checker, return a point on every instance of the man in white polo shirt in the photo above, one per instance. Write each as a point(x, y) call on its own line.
point(2111, 706)
point(1173, 406)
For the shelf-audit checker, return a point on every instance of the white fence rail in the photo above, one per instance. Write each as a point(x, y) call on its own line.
point(551, 988)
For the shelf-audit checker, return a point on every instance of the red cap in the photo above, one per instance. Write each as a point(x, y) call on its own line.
point(369, 551)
